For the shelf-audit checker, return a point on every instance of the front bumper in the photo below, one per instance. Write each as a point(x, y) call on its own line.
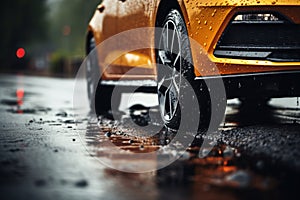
point(266, 84)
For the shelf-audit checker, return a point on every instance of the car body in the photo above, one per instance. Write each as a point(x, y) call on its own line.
point(254, 44)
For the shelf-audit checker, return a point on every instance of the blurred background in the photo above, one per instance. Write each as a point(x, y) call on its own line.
point(44, 37)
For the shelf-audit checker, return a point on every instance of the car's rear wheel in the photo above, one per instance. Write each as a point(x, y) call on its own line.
point(175, 75)
point(92, 72)
point(99, 95)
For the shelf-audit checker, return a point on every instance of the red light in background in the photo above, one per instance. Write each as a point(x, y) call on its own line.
point(20, 52)
point(20, 93)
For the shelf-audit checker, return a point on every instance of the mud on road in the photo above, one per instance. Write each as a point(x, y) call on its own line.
point(47, 154)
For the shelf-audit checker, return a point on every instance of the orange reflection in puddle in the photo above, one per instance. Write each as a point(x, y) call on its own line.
point(20, 95)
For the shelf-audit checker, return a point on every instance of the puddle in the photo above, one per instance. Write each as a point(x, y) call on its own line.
point(18, 103)
point(225, 168)
point(222, 168)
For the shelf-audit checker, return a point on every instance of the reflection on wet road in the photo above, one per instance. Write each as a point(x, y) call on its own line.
point(46, 154)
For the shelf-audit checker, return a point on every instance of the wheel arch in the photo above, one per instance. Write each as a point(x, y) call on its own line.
point(165, 5)
point(163, 8)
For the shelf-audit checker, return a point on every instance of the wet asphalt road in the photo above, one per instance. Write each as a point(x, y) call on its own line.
point(45, 154)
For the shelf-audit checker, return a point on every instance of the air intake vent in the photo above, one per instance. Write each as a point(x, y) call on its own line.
point(261, 36)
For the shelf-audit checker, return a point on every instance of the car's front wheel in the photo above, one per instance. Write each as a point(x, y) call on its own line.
point(177, 93)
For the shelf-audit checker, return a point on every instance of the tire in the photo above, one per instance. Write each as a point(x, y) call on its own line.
point(178, 98)
point(99, 95)
point(92, 70)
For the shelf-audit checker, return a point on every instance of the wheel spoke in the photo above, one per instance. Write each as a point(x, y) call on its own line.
point(168, 96)
point(163, 57)
point(170, 105)
point(173, 99)
point(165, 103)
point(167, 30)
point(172, 43)
point(162, 105)
point(163, 40)
point(175, 86)
point(175, 61)
point(162, 86)
point(176, 43)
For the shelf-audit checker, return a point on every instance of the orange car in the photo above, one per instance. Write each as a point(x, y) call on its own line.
point(252, 45)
